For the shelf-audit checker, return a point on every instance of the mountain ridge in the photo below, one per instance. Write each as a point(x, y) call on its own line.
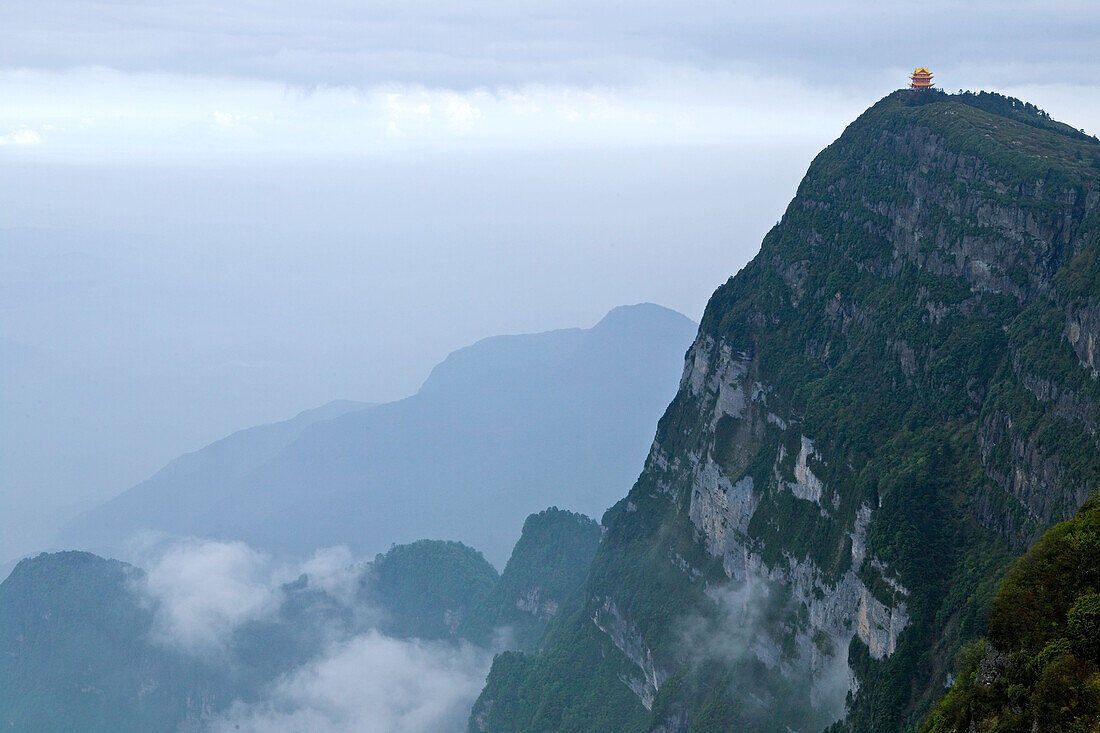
point(509, 424)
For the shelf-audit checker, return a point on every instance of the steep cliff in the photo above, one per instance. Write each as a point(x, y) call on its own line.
point(893, 399)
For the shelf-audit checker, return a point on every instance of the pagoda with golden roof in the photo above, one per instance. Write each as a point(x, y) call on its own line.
point(920, 79)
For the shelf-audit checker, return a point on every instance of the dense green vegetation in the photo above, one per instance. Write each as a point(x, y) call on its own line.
point(1020, 111)
point(426, 588)
point(76, 652)
point(908, 314)
point(1038, 670)
point(546, 568)
point(575, 683)
point(538, 693)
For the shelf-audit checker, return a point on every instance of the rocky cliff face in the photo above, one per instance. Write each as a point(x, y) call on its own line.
point(1083, 333)
point(894, 397)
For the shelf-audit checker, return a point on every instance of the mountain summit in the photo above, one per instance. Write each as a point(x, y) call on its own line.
point(891, 401)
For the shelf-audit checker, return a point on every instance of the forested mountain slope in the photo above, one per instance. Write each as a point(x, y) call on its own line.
point(91, 644)
point(546, 568)
point(890, 402)
point(1038, 668)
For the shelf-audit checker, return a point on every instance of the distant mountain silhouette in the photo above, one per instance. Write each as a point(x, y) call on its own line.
point(499, 430)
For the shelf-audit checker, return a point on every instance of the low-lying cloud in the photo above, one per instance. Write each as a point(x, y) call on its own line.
point(783, 676)
point(208, 597)
point(371, 683)
point(203, 591)
point(334, 571)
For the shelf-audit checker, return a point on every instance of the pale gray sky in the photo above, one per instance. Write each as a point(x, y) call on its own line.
point(218, 214)
point(181, 80)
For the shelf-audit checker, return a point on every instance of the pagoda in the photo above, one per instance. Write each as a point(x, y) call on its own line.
point(920, 79)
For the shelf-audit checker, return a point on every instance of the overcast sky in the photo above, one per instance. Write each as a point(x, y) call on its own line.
point(218, 214)
point(139, 80)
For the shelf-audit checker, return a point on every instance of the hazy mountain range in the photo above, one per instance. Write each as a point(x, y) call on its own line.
point(499, 429)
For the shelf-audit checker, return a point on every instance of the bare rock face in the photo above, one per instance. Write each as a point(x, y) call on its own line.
point(627, 639)
point(1083, 333)
point(532, 602)
point(992, 665)
point(1034, 476)
point(836, 609)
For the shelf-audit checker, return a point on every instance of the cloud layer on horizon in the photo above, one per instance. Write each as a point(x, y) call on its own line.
point(187, 80)
point(489, 43)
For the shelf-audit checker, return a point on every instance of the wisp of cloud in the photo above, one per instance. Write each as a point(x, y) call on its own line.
point(209, 596)
point(371, 683)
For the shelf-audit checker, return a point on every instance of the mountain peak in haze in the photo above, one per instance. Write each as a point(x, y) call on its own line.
point(641, 313)
point(496, 361)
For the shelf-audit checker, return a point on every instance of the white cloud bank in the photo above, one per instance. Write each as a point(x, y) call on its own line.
point(371, 683)
point(99, 114)
point(202, 591)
